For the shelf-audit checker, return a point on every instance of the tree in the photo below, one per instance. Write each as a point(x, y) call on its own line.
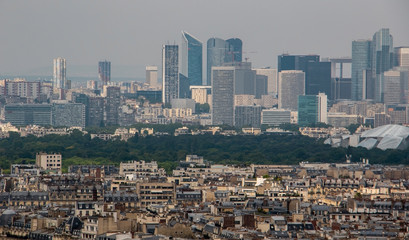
point(202, 108)
point(353, 127)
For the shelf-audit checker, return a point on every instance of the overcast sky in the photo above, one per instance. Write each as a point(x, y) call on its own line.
point(130, 33)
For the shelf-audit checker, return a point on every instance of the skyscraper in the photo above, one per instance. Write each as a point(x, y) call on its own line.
point(361, 68)
point(318, 78)
point(104, 72)
point(393, 87)
point(216, 55)
point(261, 85)
point(59, 76)
point(191, 59)
point(291, 85)
point(307, 110)
point(223, 95)
point(396, 89)
point(235, 51)
point(112, 103)
point(272, 83)
point(152, 76)
point(382, 59)
point(317, 74)
point(401, 56)
point(170, 73)
point(244, 78)
point(341, 79)
point(295, 62)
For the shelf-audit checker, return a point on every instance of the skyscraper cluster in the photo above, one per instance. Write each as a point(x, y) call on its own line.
point(225, 90)
point(372, 59)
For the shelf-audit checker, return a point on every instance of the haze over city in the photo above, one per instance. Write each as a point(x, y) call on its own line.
point(130, 33)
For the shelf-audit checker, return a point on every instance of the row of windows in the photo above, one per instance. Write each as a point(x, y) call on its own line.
point(156, 187)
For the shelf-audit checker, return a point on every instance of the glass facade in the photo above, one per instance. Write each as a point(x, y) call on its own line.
point(382, 59)
point(295, 62)
point(318, 78)
point(191, 59)
point(216, 55)
point(28, 114)
point(307, 110)
point(235, 51)
point(361, 62)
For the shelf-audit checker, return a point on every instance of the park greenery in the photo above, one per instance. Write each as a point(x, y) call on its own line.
point(79, 148)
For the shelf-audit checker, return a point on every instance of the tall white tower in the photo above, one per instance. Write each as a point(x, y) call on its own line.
point(291, 85)
point(322, 108)
point(59, 78)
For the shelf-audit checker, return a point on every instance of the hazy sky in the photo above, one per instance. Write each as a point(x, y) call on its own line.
point(130, 33)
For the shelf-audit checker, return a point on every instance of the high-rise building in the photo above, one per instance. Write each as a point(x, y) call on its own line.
point(291, 85)
point(152, 76)
point(223, 95)
point(216, 55)
point(341, 78)
point(247, 116)
point(21, 88)
point(235, 51)
point(401, 56)
point(396, 86)
point(317, 74)
point(104, 72)
point(318, 78)
point(361, 64)
point(295, 62)
point(312, 109)
point(68, 115)
point(59, 76)
point(170, 73)
point(244, 78)
point(307, 110)
point(382, 59)
point(261, 85)
point(112, 103)
point(96, 111)
point(272, 83)
point(28, 114)
point(191, 59)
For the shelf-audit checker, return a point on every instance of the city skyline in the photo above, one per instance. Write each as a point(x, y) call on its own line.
point(137, 43)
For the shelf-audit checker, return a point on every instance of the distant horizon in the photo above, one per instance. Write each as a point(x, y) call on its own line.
point(76, 78)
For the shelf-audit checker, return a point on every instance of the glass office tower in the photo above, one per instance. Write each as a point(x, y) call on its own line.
point(382, 59)
point(361, 63)
point(216, 55)
point(191, 57)
point(235, 51)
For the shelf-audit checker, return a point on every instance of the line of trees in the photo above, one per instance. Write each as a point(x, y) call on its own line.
point(78, 148)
